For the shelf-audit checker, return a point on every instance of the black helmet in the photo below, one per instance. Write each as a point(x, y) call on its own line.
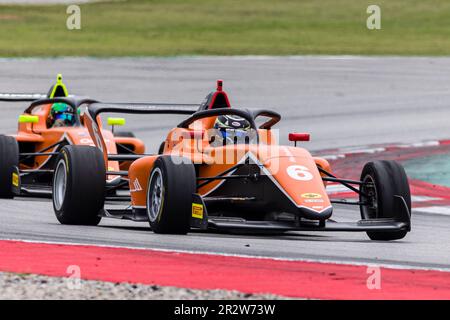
point(232, 128)
point(226, 122)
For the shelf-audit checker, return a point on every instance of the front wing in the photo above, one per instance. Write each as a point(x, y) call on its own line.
point(400, 221)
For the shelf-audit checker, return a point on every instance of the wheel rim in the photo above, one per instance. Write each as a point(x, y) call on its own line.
point(155, 195)
point(369, 188)
point(60, 184)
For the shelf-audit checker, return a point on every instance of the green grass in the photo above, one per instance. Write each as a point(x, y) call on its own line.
point(228, 27)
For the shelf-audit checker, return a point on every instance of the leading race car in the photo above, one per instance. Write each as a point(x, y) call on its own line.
point(220, 170)
point(49, 123)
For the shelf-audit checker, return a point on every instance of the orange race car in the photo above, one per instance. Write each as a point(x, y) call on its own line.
point(220, 170)
point(51, 122)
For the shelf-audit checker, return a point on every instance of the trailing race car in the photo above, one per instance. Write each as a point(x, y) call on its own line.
point(219, 170)
point(51, 122)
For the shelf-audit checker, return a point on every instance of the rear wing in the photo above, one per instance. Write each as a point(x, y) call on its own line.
point(21, 97)
point(141, 108)
point(58, 90)
point(95, 109)
point(72, 101)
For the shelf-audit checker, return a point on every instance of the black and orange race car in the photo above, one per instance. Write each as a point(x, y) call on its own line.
point(49, 123)
point(250, 184)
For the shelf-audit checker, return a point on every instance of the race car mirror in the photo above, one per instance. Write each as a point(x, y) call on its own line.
point(24, 118)
point(299, 137)
point(115, 122)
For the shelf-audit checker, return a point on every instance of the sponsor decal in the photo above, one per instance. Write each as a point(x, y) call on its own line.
point(87, 141)
point(98, 140)
point(136, 187)
point(311, 195)
point(15, 179)
point(197, 211)
point(313, 200)
point(317, 207)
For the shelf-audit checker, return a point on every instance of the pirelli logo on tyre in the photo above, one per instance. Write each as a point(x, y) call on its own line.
point(15, 179)
point(66, 160)
point(197, 211)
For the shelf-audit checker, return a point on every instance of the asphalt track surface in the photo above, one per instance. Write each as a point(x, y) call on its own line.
point(343, 101)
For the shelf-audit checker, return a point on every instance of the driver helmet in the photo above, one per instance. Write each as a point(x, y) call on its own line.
point(62, 115)
point(231, 129)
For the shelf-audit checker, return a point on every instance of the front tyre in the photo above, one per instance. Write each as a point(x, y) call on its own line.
point(79, 185)
point(169, 195)
point(9, 158)
point(382, 180)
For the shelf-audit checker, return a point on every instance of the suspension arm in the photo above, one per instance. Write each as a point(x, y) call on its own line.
point(344, 182)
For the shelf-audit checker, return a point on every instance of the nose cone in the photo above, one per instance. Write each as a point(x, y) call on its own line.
point(299, 179)
point(307, 213)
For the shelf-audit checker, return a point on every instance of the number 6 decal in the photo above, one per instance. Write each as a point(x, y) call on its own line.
point(300, 173)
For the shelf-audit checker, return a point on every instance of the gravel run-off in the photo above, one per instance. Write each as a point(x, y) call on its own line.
point(36, 287)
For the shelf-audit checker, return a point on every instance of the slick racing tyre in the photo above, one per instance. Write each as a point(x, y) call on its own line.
point(124, 134)
point(9, 158)
point(79, 185)
point(382, 181)
point(161, 147)
point(169, 195)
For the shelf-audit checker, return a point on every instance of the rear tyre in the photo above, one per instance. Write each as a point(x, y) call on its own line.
point(9, 158)
point(124, 134)
point(161, 147)
point(383, 179)
point(169, 195)
point(79, 185)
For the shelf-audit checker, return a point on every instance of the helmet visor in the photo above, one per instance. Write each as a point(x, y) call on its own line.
point(66, 117)
point(231, 136)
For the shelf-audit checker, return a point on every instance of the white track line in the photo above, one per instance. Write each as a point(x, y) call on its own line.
point(423, 198)
point(435, 210)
